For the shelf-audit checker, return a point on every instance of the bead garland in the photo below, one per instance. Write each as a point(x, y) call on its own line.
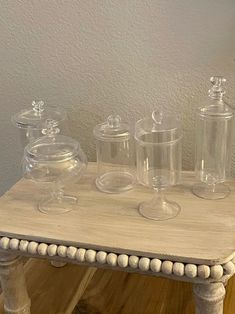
point(145, 264)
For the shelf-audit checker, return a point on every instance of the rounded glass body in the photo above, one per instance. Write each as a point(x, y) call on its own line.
point(58, 160)
point(115, 156)
point(214, 124)
point(159, 159)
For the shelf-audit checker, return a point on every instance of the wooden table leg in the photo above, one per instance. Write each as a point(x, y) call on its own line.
point(16, 299)
point(209, 298)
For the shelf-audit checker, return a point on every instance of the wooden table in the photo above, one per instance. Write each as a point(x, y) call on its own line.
point(106, 230)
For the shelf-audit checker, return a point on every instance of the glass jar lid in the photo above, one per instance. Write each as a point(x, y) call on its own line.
point(216, 106)
point(112, 129)
point(36, 116)
point(52, 147)
point(160, 128)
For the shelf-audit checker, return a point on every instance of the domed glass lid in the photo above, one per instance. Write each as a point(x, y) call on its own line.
point(112, 129)
point(216, 106)
point(52, 147)
point(36, 116)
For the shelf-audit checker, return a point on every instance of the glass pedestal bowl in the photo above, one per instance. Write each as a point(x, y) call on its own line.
point(54, 159)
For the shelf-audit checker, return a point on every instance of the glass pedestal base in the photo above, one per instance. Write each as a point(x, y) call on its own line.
point(159, 210)
point(56, 206)
point(211, 192)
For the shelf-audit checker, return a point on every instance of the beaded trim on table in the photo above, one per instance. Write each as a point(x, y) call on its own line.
point(144, 264)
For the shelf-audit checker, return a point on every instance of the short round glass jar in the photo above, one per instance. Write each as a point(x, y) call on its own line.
point(158, 150)
point(54, 159)
point(115, 156)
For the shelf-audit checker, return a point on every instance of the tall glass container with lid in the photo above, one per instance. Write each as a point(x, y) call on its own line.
point(115, 156)
point(213, 143)
point(158, 150)
point(30, 121)
point(54, 159)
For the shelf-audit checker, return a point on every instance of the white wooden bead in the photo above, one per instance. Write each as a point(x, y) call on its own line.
point(155, 265)
point(32, 247)
point(112, 259)
point(5, 243)
point(229, 268)
point(52, 250)
point(190, 270)
point(203, 271)
point(80, 255)
point(42, 249)
point(14, 244)
point(216, 272)
point(101, 257)
point(178, 269)
point(71, 252)
point(144, 263)
point(122, 260)
point(167, 267)
point(62, 251)
point(23, 245)
point(90, 256)
point(134, 261)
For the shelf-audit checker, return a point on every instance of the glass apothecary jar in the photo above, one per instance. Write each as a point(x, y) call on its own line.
point(58, 160)
point(214, 123)
point(159, 159)
point(115, 156)
point(31, 121)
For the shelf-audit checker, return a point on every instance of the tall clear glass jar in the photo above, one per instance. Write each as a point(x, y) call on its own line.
point(115, 156)
point(213, 143)
point(159, 158)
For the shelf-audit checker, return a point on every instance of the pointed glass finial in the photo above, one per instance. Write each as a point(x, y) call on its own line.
point(217, 90)
point(114, 121)
point(157, 116)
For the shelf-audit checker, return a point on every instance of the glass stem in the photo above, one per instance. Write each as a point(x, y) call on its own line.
point(58, 191)
point(159, 196)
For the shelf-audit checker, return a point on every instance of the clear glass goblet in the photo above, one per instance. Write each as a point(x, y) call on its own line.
point(158, 149)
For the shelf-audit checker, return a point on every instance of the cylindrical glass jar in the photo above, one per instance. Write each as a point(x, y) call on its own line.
point(213, 144)
point(158, 150)
point(115, 156)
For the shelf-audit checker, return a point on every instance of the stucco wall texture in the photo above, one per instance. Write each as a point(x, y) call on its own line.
point(97, 57)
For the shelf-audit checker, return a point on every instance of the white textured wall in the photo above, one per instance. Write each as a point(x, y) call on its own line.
point(99, 57)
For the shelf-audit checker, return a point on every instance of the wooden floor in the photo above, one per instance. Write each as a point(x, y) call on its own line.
point(85, 290)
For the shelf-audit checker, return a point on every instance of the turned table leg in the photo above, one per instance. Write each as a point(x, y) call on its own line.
point(16, 299)
point(209, 298)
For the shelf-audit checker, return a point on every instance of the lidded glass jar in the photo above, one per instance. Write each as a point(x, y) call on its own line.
point(214, 123)
point(30, 121)
point(159, 159)
point(55, 159)
point(115, 155)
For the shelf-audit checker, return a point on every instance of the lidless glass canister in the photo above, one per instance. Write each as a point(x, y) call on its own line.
point(115, 156)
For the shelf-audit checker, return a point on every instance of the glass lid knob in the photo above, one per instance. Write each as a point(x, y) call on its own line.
point(157, 116)
point(114, 121)
point(217, 90)
point(51, 128)
point(38, 107)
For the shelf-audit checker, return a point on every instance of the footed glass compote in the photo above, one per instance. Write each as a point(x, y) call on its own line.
point(54, 159)
point(158, 145)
